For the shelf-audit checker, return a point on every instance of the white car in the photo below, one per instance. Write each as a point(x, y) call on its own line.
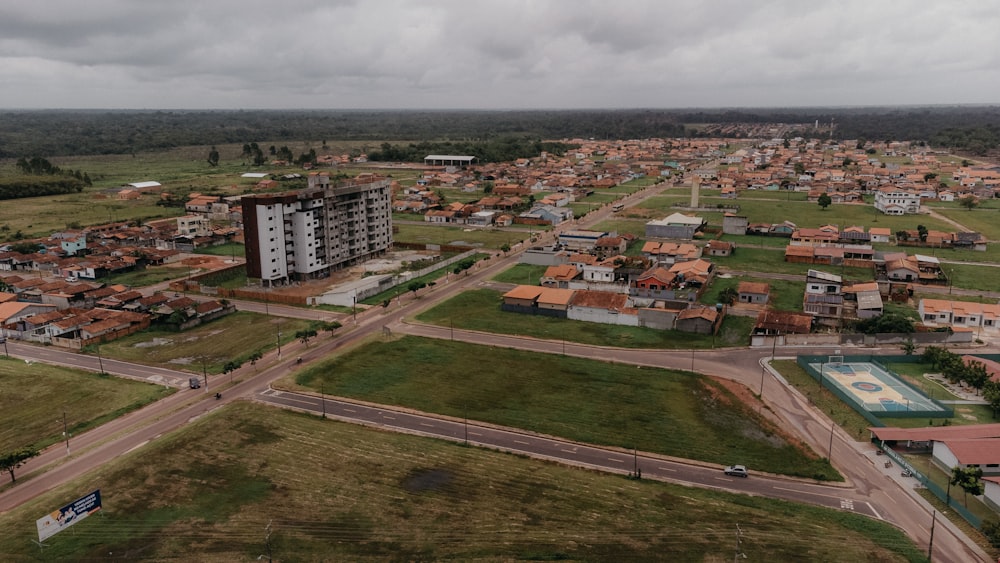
point(736, 471)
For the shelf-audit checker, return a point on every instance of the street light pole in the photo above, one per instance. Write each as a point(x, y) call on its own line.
point(322, 398)
point(3, 339)
point(829, 456)
point(100, 361)
point(65, 432)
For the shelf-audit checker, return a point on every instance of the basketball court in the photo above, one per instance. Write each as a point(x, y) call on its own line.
point(873, 388)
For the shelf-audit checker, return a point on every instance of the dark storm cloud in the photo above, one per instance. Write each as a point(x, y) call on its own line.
point(494, 53)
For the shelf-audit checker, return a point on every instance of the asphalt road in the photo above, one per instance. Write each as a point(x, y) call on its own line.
point(870, 489)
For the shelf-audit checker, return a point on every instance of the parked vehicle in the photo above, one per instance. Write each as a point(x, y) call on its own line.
point(194, 383)
point(736, 471)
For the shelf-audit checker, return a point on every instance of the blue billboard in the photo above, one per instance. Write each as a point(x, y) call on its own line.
point(55, 522)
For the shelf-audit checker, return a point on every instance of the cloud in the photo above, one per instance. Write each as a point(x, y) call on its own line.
point(495, 53)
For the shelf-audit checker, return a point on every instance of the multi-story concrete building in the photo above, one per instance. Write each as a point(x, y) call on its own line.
point(306, 234)
point(895, 201)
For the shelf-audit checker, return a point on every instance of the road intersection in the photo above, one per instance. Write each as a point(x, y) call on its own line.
point(869, 490)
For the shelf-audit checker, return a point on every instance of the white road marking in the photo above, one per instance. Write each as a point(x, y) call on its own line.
point(522, 442)
point(847, 504)
point(616, 460)
point(569, 451)
point(474, 434)
point(805, 492)
point(427, 425)
point(667, 469)
point(349, 410)
point(388, 417)
point(724, 479)
point(875, 512)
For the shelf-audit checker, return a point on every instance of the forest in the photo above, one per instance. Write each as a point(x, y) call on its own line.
point(80, 132)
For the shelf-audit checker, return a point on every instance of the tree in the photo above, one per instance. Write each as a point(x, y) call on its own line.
point(969, 479)
point(213, 157)
point(799, 168)
point(331, 326)
point(976, 375)
point(305, 334)
point(969, 202)
point(909, 347)
point(505, 248)
point(922, 232)
point(728, 295)
point(929, 177)
point(13, 460)
point(415, 286)
point(824, 201)
point(991, 392)
point(231, 366)
point(257, 355)
point(991, 529)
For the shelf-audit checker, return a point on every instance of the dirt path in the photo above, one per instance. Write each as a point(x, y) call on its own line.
point(939, 217)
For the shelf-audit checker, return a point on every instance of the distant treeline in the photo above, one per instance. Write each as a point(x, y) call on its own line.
point(495, 150)
point(77, 132)
point(34, 186)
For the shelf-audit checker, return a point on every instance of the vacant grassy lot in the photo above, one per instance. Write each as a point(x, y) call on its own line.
point(785, 295)
point(771, 260)
point(669, 412)
point(487, 238)
point(233, 337)
point(526, 274)
point(329, 491)
point(480, 310)
point(33, 398)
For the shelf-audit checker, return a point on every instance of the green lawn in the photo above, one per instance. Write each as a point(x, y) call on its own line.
point(480, 310)
point(522, 274)
point(228, 249)
point(34, 397)
point(770, 260)
point(250, 481)
point(231, 338)
point(669, 412)
point(486, 238)
point(785, 295)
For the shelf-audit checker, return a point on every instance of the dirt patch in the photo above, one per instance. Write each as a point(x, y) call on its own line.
point(422, 480)
point(769, 430)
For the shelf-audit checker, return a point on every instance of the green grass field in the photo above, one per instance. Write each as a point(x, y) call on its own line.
point(486, 238)
point(328, 491)
point(480, 310)
point(523, 274)
point(785, 295)
point(233, 337)
point(33, 398)
point(669, 412)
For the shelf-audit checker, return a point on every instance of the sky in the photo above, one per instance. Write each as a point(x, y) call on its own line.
point(496, 54)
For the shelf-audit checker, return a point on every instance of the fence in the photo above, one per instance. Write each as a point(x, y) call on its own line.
point(933, 487)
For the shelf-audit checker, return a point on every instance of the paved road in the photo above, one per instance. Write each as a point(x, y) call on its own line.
point(871, 491)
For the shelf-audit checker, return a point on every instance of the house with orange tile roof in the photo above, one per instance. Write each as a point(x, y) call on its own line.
point(967, 314)
point(757, 293)
point(560, 275)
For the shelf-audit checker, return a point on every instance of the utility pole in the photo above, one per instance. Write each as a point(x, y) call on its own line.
point(930, 546)
point(65, 432)
point(739, 545)
point(267, 543)
point(322, 398)
point(829, 456)
point(3, 340)
point(100, 361)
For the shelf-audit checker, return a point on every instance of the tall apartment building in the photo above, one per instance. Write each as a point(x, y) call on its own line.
point(306, 234)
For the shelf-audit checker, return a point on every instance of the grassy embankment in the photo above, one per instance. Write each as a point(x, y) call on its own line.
point(250, 481)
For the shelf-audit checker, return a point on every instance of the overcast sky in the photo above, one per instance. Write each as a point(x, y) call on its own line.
point(344, 54)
